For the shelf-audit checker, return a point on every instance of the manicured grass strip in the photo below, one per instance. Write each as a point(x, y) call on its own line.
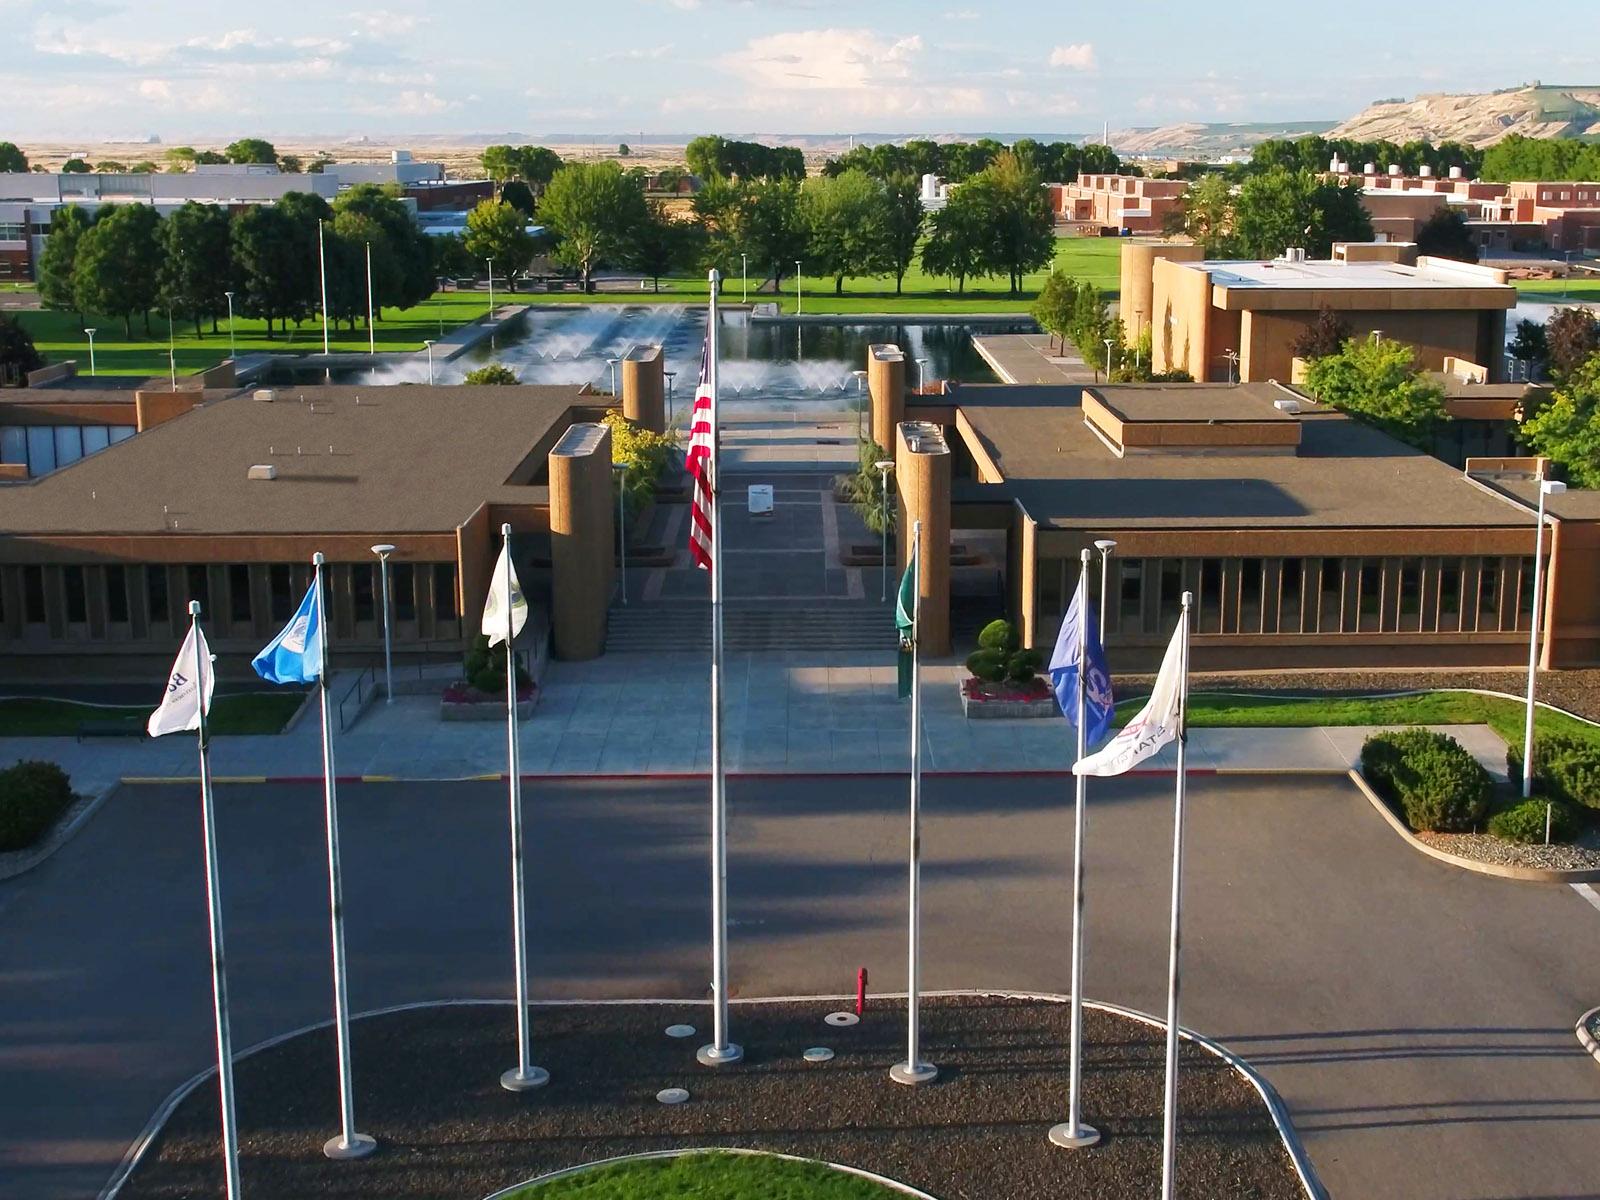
point(1581, 290)
point(710, 1177)
point(1429, 708)
point(251, 713)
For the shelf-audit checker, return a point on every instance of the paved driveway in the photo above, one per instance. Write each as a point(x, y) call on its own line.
point(1417, 1020)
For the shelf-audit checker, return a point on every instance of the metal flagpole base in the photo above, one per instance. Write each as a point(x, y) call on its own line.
point(359, 1146)
point(912, 1074)
point(519, 1080)
point(1066, 1136)
point(710, 1056)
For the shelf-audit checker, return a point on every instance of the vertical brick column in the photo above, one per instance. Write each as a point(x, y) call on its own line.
point(922, 481)
point(643, 388)
point(582, 555)
point(886, 381)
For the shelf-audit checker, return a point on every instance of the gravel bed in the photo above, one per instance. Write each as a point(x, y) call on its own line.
point(1582, 855)
point(428, 1089)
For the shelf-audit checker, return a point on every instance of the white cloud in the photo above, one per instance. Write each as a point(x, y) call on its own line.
point(155, 89)
point(833, 59)
point(1076, 57)
point(637, 54)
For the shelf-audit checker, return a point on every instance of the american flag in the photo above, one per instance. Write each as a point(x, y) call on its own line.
point(701, 467)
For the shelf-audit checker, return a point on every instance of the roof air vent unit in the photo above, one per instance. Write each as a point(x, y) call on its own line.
point(265, 395)
point(1288, 405)
point(262, 471)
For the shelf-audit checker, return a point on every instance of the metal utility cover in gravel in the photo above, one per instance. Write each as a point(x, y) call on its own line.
point(428, 1089)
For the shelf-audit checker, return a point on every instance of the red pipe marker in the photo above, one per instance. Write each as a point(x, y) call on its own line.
point(861, 992)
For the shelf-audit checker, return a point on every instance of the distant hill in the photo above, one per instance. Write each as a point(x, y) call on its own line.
point(1481, 119)
point(1208, 142)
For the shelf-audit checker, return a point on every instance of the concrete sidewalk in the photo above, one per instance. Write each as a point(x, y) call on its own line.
point(639, 714)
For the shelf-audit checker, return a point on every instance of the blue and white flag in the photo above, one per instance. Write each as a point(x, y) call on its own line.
point(295, 655)
point(1099, 707)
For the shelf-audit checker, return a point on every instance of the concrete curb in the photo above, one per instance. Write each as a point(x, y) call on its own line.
point(894, 1185)
point(1585, 1038)
point(1499, 870)
point(64, 831)
point(1275, 1106)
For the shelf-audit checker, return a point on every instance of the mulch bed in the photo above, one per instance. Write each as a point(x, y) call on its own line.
point(428, 1089)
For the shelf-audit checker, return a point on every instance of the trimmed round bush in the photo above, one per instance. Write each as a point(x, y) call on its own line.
point(32, 796)
point(988, 665)
point(1565, 768)
point(998, 635)
point(1023, 665)
point(1436, 783)
point(1524, 822)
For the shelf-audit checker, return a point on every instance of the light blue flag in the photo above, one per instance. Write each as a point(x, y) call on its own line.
point(295, 655)
point(1099, 707)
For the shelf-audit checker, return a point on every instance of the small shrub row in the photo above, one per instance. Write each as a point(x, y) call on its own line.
point(1524, 822)
point(32, 796)
point(1565, 768)
point(1438, 786)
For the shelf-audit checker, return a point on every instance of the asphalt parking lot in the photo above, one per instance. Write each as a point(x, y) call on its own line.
point(1416, 1019)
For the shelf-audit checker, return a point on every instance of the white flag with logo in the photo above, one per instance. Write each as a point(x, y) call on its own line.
point(504, 581)
point(1156, 725)
point(180, 707)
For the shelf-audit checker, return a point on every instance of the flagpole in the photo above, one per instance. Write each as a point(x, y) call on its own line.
point(322, 271)
point(524, 1077)
point(914, 1071)
point(721, 1051)
point(1169, 1116)
point(349, 1143)
point(1074, 1134)
point(219, 979)
point(372, 335)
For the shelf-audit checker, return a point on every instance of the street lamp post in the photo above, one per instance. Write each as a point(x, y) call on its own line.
point(429, 344)
point(861, 407)
point(1138, 338)
point(799, 298)
point(1547, 487)
point(922, 381)
point(612, 363)
point(232, 351)
point(90, 332)
point(1108, 358)
point(671, 375)
point(884, 466)
point(1105, 546)
point(744, 269)
point(172, 350)
point(383, 550)
point(490, 261)
point(621, 469)
point(1233, 364)
point(372, 333)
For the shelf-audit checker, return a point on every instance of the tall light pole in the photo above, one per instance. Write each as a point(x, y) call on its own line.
point(1108, 358)
point(1105, 546)
point(383, 551)
point(612, 363)
point(490, 261)
point(861, 407)
point(921, 379)
point(799, 298)
point(1547, 487)
point(1233, 363)
point(429, 344)
point(90, 332)
point(621, 469)
point(884, 466)
point(172, 350)
point(232, 351)
point(372, 334)
point(744, 269)
point(322, 271)
point(671, 375)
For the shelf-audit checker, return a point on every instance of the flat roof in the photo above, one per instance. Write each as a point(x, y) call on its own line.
point(1323, 274)
point(405, 459)
point(1345, 475)
point(1198, 403)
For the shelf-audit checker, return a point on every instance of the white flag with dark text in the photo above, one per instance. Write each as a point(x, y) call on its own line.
point(180, 707)
point(1158, 722)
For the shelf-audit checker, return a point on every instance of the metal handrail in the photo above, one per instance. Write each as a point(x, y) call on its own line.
point(367, 675)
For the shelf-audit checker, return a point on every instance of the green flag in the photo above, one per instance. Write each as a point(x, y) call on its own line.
point(905, 608)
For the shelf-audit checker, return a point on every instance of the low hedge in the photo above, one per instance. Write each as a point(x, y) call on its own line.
point(1438, 786)
point(1524, 822)
point(33, 795)
point(1565, 768)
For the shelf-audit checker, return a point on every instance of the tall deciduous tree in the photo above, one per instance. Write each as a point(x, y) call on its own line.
point(1206, 217)
point(843, 218)
point(251, 150)
point(1279, 209)
point(197, 262)
point(117, 271)
point(18, 354)
point(11, 158)
point(270, 252)
point(68, 224)
point(1022, 237)
point(900, 222)
point(593, 208)
point(661, 245)
point(497, 230)
point(957, 240)
point(1567, 428)
point(1379, 382)
point(1055, 304)
point(1445, 235)
point(402, 261)
point(1573, 336)
point(773, 229)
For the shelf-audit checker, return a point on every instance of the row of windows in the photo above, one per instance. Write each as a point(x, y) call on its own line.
point(13, 231)
point(241, 599)
point(44, 448)
point(1309, 595)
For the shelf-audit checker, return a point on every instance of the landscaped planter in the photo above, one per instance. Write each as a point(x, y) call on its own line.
point(982, 700)
point(463, 702)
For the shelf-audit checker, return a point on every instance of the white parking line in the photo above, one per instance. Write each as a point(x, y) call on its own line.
point(1588, 893)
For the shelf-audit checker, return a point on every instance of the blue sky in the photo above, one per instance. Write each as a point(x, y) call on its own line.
point(178, 68)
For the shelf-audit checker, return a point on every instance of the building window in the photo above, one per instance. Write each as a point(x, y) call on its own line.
point(1410, 596)
point(1489, 595)
point(195, 578)
point(1250, 591)
point(156, 582)
point(1371, 601)
point(1130, 592)
point(33, 595)
point(1450, 597)
point(280, 587)
point(117, 594)
point(1289, 593)
point(1331, 610)
point(361, 584)
point(239, 593)
point(1210, 594)
point(444, 591)
point(403, 591)
point(13, 231)
point(77, 595)
point(1171, 590)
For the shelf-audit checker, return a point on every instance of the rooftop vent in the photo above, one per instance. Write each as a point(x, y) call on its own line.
point(1287, 405)
point(262, 471)
point(265, 395)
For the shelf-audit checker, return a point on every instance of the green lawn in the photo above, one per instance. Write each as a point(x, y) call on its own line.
point(1585, 290)
point(1430, 708)
point(58, 336)
point(251, 713)
point(710, 1177)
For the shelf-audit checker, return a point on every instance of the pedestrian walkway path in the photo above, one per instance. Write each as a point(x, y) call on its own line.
point(640, 714)
point(1030, 358)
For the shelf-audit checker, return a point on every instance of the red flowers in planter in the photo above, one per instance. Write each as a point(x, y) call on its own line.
point(462, 692)
point(981, 689)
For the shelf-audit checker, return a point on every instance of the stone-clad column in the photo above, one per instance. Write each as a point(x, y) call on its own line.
point(643, 388)
point(922, 480)
point(582, 554)
point(886, 381)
